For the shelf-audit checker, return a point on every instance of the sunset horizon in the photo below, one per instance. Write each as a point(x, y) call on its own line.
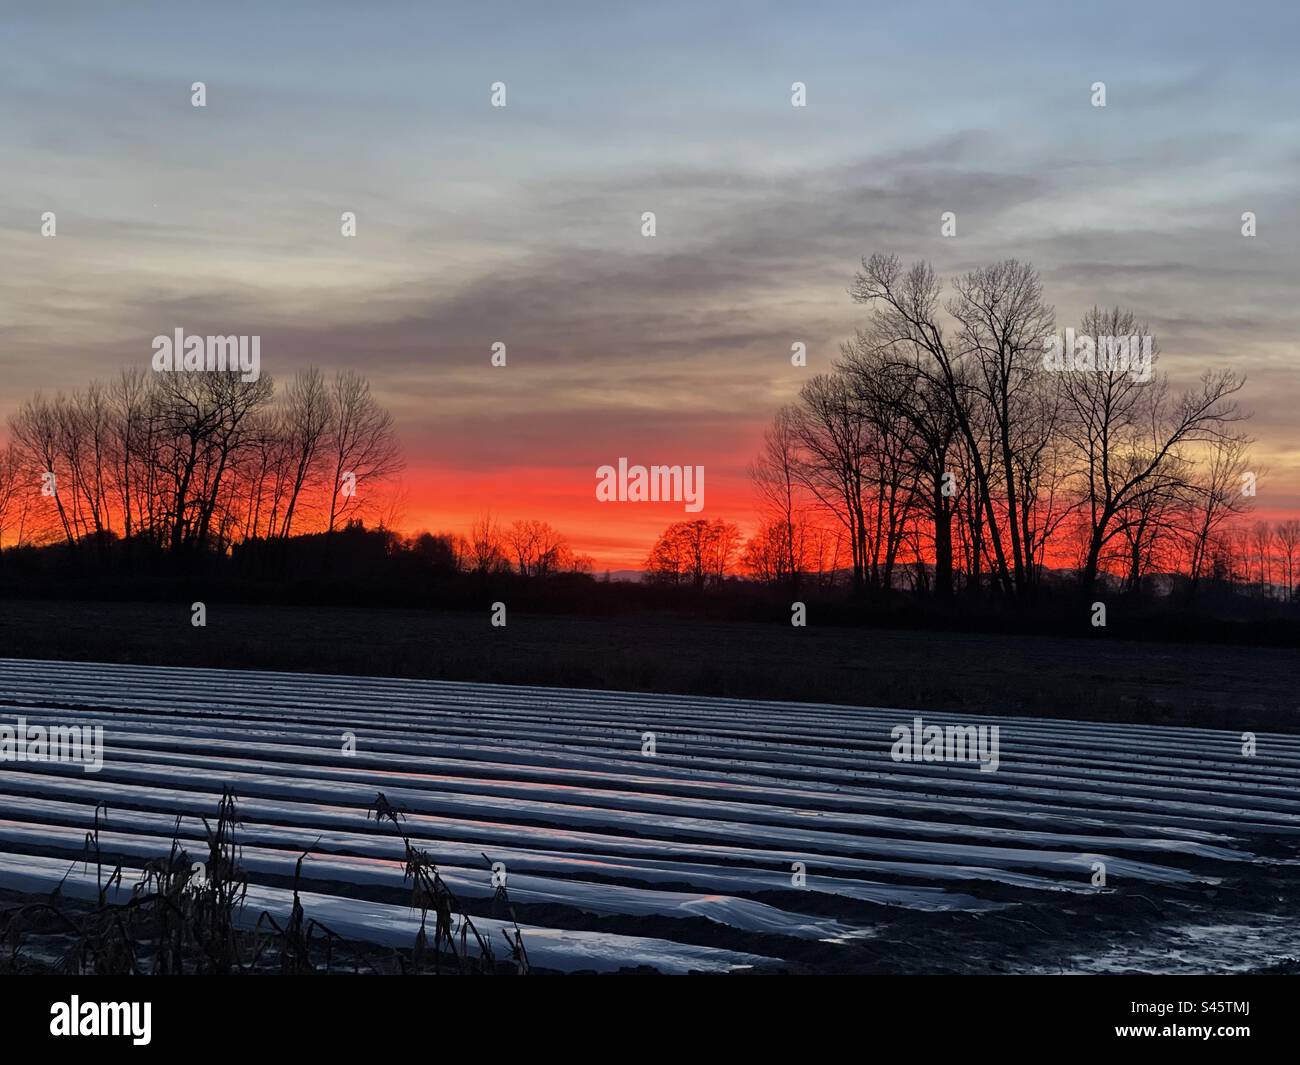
point(521, 225)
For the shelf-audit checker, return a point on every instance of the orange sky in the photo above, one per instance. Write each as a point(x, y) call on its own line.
point(616, 535)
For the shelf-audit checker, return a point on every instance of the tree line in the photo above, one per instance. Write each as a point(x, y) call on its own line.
point(203, 463)
point(195, 462)
point(945, 452)
point(942, 452)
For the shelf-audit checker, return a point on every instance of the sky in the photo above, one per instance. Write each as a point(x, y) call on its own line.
point(523, 224)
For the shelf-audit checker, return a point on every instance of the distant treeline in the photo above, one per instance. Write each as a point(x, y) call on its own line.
point(356, 566)
point(951, 458)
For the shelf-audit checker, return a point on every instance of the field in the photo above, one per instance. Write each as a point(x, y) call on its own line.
point(684, 858)
point(1095, 678)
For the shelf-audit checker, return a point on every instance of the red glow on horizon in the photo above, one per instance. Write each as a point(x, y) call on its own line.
point(616, 535)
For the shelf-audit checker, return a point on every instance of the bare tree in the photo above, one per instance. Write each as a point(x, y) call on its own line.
point(916, 437)
point(128, 405)
point(1288, 540)
point(776, 476)
point(1131, 436)
point(1003, 320)
point(833, 443)
point(11, 494)
point(985, 373)
point(1214, 497)
point(37, 432)
point(1261, 541)
point(486, 546)
point(359, 441)
point(539, 549)
point(697, 553)
point(306, 420)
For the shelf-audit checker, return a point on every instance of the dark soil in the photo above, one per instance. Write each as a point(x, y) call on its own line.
point(1221, 686)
